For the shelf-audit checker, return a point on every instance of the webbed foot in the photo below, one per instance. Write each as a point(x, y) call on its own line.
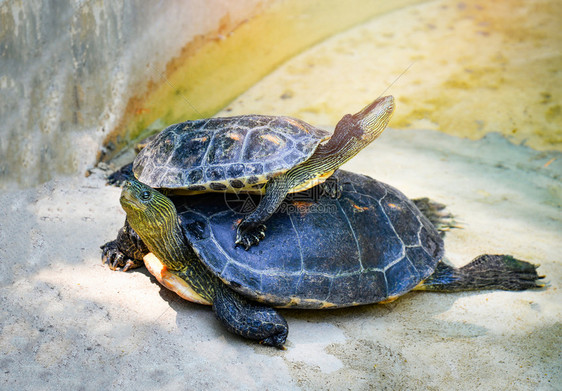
point(249, 234)
point(117, 260)
point(437, 214)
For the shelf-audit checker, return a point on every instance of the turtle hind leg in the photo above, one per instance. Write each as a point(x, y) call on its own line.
point(249, 319)
point(122, 175)
point(484, 272)
point(436, 214)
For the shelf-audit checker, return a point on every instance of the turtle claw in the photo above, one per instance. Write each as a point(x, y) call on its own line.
point(111, 255)
point(115, 259)
point(249, 234)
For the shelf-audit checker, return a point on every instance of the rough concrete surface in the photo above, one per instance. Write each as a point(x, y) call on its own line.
point(68, 322)
point(69, 67)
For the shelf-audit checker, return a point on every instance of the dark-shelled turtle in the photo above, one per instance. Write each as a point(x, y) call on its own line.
point(268, 155)
point(369, 245)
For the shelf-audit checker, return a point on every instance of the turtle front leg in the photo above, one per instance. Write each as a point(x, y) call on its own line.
point(252, 229)
point(125, 252)
point(249, 319)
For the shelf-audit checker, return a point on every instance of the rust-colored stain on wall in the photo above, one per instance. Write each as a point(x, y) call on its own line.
point(213, 70)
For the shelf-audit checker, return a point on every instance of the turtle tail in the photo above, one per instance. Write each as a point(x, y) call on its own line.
point(484, 272)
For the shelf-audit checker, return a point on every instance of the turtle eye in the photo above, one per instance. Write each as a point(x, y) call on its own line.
point(145, 195)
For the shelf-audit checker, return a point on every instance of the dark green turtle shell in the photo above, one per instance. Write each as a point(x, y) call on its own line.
point(369, 245)
point(226, 154)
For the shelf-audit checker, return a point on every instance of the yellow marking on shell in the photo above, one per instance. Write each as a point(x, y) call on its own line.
point(389, 299)
point(171, 281)
point(270, 137)
point(229, 189)
point(247, 189)
point(201, 139)
point(297, 302)
point(190, 192)
point(297, 124)
point(420, 286)
point(233, 136)
point(328, 305)
point(312, 182)
point(359, 208)
point(393, 206)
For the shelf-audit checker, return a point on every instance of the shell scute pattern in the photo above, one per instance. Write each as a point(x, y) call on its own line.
point(197, 143)
point(401, 218)
point(164, 149)
point(226, 148)
point(195, 176)
point(431, 245)
point(320, 260)
point(250, 281)
point(401, 277)
point(312, 286)
point(374, 281)
point(217, 186)
point(235, 170)
point(215, 173)
point(236, 147)
point(344, 289)
point(253, 180)
point(237, 184)
point(264, 144)
point(384, 246)
point(353, 254)
point(251, 169)
point(417, 256)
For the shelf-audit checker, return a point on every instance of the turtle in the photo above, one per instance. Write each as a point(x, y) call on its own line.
point(262, 154)
point(371, 244)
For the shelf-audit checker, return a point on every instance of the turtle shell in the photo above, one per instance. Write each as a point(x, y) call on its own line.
point(226, 154)
point(369, 245)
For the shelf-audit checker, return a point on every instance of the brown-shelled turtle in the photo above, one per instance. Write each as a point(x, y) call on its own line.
point(370, 245)
point(269, 155)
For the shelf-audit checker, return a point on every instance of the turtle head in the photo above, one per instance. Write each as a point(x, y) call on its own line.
point(355, 132)
point(369, 123)
point(374, 118)
point(147, 209)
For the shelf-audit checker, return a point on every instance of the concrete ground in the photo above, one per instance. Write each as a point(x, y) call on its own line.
point(68, 322)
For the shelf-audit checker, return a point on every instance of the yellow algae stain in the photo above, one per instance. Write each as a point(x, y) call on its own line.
point(214, 69)
point(473, 67)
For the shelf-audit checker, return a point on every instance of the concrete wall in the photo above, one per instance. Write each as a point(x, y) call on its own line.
point(67, 68)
